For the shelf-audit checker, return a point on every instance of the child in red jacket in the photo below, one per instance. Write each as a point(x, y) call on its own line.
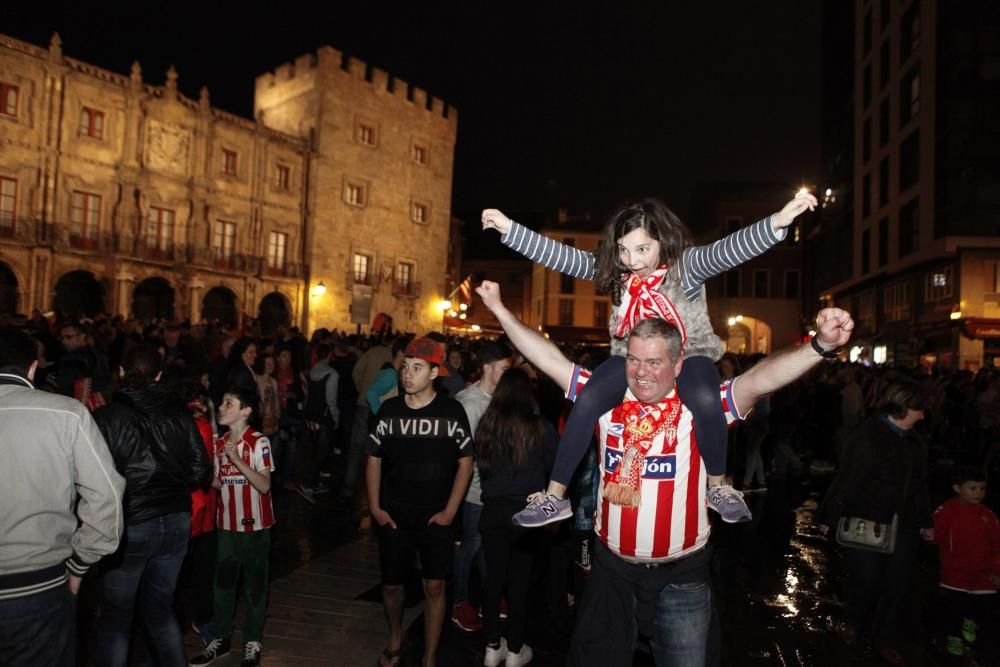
point(969, 536)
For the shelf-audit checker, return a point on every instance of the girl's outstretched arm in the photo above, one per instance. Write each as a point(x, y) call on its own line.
point(704, 262)
point(540, 249)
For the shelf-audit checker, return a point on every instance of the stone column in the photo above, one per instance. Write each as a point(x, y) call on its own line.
point(126, 284)
point(194, 300)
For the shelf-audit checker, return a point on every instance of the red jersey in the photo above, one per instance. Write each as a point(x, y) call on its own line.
point(672, 520)
point(242, 508)
point(969, 536)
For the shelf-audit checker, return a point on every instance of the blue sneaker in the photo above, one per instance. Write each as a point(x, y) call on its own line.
point(728, 502)
point(543, 509)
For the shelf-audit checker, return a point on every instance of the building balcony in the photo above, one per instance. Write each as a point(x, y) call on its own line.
point(29, 232)
point(409, 290)
point(351, 279)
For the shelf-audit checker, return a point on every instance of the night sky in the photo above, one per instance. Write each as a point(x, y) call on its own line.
point(559, 106)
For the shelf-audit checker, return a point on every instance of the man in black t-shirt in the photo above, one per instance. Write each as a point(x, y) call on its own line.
point(419, 466)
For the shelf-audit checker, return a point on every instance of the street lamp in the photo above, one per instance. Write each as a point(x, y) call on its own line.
point(319, 289)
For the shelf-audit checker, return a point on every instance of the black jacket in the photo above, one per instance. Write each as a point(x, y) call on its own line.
point(872, 480)
point(157, 448)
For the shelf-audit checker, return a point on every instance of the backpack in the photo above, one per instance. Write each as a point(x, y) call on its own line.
point(316, 409)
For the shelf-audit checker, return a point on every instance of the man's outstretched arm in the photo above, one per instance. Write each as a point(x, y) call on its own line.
point(538, 350)
point(833, 329)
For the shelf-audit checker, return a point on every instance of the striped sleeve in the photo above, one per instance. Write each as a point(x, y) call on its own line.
point(549, 253)
point(706, 261)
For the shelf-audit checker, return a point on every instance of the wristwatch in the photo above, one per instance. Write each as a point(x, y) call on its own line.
point(826, 354)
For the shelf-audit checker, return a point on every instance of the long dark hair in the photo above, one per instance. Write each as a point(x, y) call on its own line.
point(510, 430)
point(657, 220)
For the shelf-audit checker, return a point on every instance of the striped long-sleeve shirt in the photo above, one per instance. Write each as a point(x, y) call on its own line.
point(700, 262)
point(684, 288)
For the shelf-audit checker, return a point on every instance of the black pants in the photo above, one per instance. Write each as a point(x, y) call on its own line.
point(959, 605)
point(510, 553)
point(877, 585)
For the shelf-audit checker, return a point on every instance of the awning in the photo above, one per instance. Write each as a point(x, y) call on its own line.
point(981, 327)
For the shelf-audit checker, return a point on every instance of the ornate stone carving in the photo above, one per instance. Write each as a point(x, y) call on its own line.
point(167, 147)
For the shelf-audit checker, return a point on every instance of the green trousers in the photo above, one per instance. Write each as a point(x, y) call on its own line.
point(250, 554)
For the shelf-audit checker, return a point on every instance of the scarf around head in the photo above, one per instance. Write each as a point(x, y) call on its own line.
point(643, 426)
point(642, 300)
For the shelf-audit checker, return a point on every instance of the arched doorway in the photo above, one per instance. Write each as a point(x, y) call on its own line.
point(219, 304)
point(79, 293)
point(748, 335)
point(273, 310)
point(8, 290)
point(153, 298)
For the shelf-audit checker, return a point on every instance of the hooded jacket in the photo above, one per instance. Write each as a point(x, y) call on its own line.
point(157, 447)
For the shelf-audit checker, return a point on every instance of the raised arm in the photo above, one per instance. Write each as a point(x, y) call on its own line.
point(540, 249)
point(706, 261)
point(833, 327)
point(541, 352)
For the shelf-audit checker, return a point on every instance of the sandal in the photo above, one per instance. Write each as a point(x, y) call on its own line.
point(390, 658)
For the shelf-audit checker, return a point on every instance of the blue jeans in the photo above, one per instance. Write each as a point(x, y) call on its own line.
point(146, 567)
point(672, 604)
point(38, 629)
point(468, 551)
point(683, 615)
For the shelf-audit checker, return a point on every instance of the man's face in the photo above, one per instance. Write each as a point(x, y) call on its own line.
point(650, 370)
point(492, 372)
point(72, 339)
point(417, 375)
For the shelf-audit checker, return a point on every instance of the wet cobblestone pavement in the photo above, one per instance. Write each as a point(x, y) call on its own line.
point(776, 582)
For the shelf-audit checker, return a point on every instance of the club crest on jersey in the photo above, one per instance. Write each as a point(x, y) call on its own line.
point(653, 467)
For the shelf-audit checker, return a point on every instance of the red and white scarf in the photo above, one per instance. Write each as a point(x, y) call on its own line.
point(642, 300)
point(643, 425)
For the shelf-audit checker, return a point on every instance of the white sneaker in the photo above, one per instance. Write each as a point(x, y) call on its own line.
point(496, 656)
point(522, 657)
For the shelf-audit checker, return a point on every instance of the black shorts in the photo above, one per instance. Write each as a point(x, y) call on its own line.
point(398, 547)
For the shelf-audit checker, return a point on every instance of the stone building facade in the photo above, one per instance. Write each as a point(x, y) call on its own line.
point(120, 196)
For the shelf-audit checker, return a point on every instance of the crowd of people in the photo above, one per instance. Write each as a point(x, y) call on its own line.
point(157, 447)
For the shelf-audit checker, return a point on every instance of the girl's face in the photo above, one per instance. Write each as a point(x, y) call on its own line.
point(269, 366)
point(639, 252)
point(250, 355)
point(285, 359)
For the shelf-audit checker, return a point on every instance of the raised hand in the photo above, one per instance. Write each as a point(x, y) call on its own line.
point(834, 327)
point(494, 219)
point(489, 291)
point(802, 202)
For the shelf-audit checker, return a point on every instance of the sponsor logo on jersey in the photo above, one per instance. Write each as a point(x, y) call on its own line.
point(654, 467)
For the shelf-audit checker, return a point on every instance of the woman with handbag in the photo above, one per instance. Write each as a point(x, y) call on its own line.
point(878, 508)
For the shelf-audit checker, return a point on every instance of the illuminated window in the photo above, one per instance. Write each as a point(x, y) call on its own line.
point(84, 218)
point(419, 212)
point(897, 301)
point(866, 310)
point(355, 194)
point(8, 205)
point(224, 242)
point(419, 154)
point(362, 265)
point(600, 313)
point(277, 242)
point(160, 230)
point(565, 312)
point(91, 123)
point(283, 177)
point(938, 285)
point(404, 277)
point(366, 134)
point(8, 98)
point(228, 162)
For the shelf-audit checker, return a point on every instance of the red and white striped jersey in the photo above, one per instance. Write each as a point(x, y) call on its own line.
point(242, 508)
point(672, 519)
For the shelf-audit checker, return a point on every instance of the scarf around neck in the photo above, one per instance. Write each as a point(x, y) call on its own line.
point(643, 300)
point(644, 425)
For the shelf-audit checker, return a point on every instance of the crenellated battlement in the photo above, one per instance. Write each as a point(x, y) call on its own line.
point(331, 62)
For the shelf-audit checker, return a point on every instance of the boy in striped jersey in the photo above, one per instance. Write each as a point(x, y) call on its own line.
point(243, 468)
